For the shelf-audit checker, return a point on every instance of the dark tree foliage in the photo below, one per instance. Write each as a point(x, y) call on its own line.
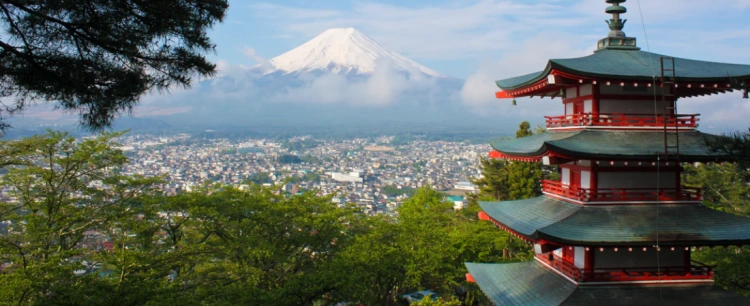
point(735, 145)
point(524, 129)
point(725, 188)
point(504, 180)
point(493, 185)
point(289, 159)
point(97, 57)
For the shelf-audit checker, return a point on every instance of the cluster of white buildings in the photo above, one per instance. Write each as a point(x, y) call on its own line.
point(367, 172)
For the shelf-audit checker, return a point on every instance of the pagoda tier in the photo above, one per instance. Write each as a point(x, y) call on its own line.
point(604, 145)
point(624, 71)
point(546, 220)
point(633, 244)
point(533, 283)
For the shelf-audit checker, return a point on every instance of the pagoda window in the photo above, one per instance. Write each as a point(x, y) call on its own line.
point(635, 257)
point(627, 106)
point(637, 180)
point(576, 174)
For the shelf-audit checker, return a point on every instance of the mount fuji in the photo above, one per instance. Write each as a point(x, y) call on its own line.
point(340, 78)
point(347, 51)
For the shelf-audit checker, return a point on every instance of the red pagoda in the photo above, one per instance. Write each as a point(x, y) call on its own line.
point(618, 228)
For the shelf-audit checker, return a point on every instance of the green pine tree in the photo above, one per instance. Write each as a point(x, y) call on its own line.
point(97, 57)
point(508, 180)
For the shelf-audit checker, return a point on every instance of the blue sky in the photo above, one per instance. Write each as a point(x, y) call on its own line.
point(480, 41)
point(484, 40)
point(457, 38)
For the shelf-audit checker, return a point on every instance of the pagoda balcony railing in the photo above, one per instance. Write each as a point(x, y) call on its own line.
point(621, 194)
point(695, 271)
point(622, 120)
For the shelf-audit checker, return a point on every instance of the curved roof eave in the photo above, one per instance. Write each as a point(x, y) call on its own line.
point(630, 65)
point(620, 225)
point(607, 145)
point(524, 80)
point(530, 283)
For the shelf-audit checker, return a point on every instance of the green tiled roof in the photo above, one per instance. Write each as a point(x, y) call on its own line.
point(529, 283)
point(602, 144)
point(682, 295)
point(631, 65)
point(527, 216)
point(524, 79)
point(619, 225)
point(523, 283)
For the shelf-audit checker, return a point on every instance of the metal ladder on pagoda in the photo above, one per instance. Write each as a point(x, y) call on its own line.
point(669, 101)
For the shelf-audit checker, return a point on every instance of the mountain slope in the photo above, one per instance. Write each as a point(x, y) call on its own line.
point(345, 51)
point(340, 79)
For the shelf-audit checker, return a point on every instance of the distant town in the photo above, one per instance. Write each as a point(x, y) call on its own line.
point(376, 174)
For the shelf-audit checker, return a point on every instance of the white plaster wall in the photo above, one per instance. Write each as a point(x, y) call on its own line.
point(638, 258)
point(580, 254)
point(587, 108)
point(558, 252)
point(570, 93)
point(565, 176)
point(648, 107)
point(636, 180)
point(585, 179)
point(586, 90)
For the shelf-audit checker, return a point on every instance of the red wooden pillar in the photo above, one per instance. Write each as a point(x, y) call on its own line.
point(569, 254)
point(588, 264)
point(678, 183)
point(594, 182)
point(595, 102)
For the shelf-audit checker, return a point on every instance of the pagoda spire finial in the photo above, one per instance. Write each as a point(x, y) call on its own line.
point(616, 38)
point(616, 24)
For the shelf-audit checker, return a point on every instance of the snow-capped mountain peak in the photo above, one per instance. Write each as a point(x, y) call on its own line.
point(344, 50)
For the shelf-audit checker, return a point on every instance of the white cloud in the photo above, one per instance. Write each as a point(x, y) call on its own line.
point(245, 89)
point(512, 38)
point(530, 56)
point(263, 64)
point(432, 32)
point(385, 86)
point(719, 113)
